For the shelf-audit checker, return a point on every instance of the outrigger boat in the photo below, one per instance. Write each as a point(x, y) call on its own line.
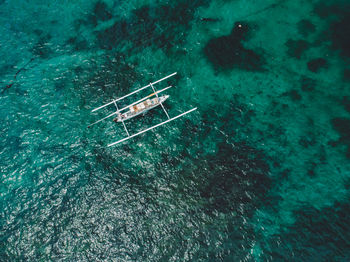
point(141, 106)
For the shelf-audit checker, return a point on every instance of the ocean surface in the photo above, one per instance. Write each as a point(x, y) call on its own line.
point(260, 172)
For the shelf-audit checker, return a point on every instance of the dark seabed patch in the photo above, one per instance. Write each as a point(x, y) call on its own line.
point(341, 34)
point(316, 64)
point(233, 172)
point(346, 75)
point(161, 26)
point(338, 13)
point(342, 126)
point(227, 52)
point(307, 84)
point(307, 140)
point(296, 48)
point(317, 235)
point(346, 103)
point(78, 43)
point(306, 27)
point(42, 48)
point(293, 94)
point(101, 13)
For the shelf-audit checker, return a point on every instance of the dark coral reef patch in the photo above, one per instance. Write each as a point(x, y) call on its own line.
point(338, 12)
point(101, 11)
point(307, 84)
point(305, 27)
point(346, 103)
point(327, 231)
point(296, 48)
point(293, 94)
point(161, 26)
point(346, 74)
point(227, 52)
point(316, 64)
point(342, 126)
point(234, 171)
point(341, 35)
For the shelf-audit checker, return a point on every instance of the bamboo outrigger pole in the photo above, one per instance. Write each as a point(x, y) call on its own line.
point(138, 90)
point(150, 128)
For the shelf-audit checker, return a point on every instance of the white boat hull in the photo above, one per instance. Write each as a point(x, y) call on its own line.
point(141, 108)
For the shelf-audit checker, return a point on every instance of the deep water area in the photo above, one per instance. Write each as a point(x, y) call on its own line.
point(260, 172)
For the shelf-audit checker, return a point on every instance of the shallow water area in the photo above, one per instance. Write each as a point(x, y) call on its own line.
point(260, 172)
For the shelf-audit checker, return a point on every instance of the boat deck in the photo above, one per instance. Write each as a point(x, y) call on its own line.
point(143, 106)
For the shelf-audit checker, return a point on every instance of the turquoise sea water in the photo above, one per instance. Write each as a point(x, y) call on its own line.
point(260, 172)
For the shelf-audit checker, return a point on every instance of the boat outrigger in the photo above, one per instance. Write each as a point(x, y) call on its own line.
point(139, 107)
